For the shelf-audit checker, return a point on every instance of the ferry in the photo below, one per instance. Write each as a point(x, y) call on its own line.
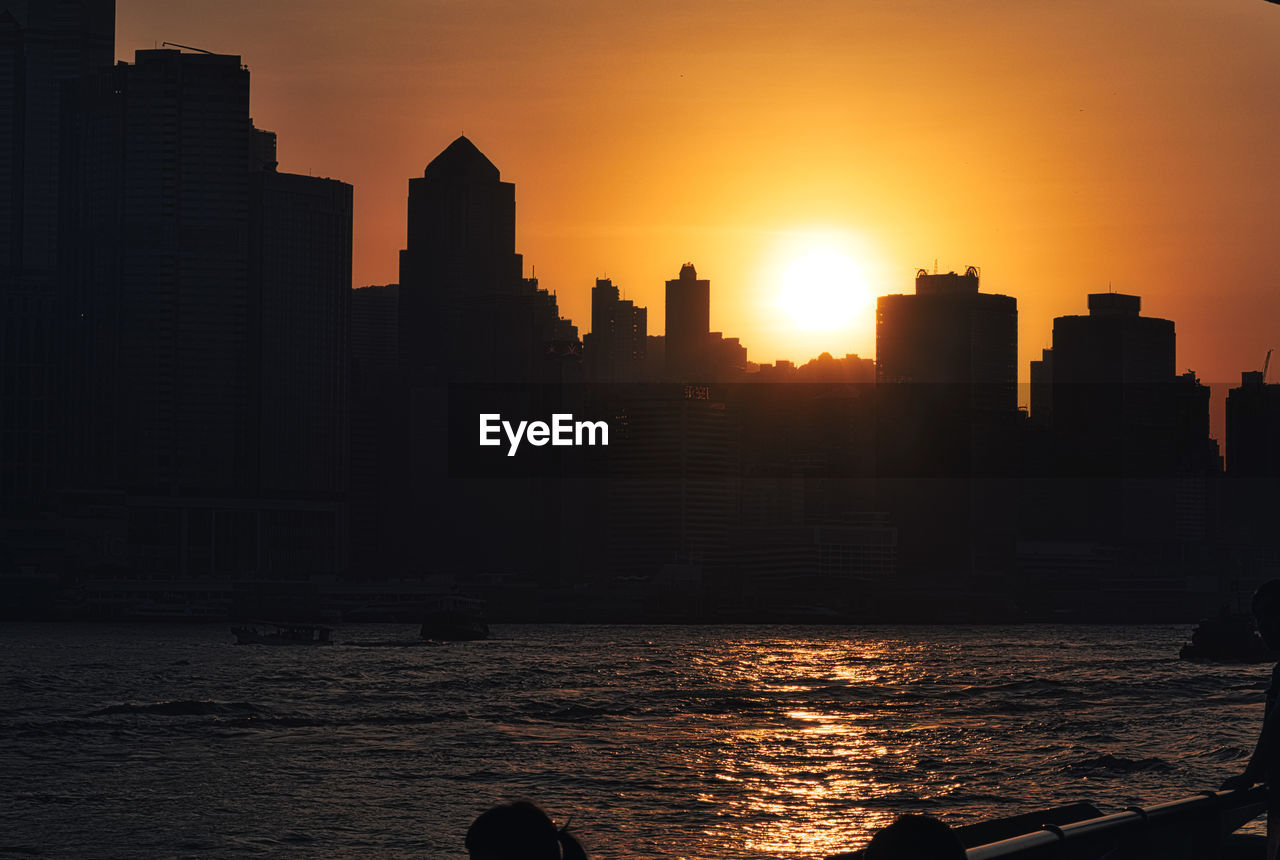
point(272, 633)
point(453, 617)
point(1229, 637)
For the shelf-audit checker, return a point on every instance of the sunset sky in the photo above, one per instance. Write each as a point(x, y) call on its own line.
point(1061, 147)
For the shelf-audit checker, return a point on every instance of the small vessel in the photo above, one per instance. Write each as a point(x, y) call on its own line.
point(176, 609)
point(1228, 637)
point(453, 617)
point(273, 633)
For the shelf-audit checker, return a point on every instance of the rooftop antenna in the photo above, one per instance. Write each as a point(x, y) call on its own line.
point(184, 47)
point(1266, 364)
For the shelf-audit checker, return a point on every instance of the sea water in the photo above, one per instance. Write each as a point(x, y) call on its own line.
point(662, 741)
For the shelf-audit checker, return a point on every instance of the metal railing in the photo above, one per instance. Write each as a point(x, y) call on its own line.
point(1192, 828)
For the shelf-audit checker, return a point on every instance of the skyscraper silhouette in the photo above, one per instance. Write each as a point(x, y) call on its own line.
point(1253, 428)
point(1131, 455)
point(206, 323)
point(615, 349)
point(946, 415)
point(1112, 372)
point(43, 44)
point(949, 334)
point(159, 275)
point(688, 321)
point(468, 315)
point(300, 266)
point(466, 311)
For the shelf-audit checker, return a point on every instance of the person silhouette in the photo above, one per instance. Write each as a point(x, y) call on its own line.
point(1264, 764)
point(520, 831)
point(915, 837)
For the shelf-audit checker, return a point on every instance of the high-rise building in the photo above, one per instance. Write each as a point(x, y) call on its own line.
point(375, 337)
point(688, 321)
point(672, 494)
point(466, 311)
point(1253, 467)
point(615, 349)
point(43, 44)
point(1112, 375)
point(377, 489)
point(300, 243)
point(1114, 343)
point(157, 236)
point(950, 335)
point(468, 315)
point(1253, 428)
point(206, 323)
point(1129, 438)
point(946, 413)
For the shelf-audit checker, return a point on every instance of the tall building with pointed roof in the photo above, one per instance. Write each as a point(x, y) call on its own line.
point(466, 310)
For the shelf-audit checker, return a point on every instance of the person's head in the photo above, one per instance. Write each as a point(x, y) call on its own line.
point(915, 837)
point(520, 831)
point(1266, 609)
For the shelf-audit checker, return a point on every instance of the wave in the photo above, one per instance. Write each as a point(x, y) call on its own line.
point(1119, 765)
point(236, 716)
point(183, 708)
point(1225, 754)
point(1032, 685)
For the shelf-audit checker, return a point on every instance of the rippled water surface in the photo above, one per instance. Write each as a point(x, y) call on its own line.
point(700, 742)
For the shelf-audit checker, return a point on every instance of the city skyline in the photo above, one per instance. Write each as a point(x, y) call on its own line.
point(1061, 150)
point(208, 366)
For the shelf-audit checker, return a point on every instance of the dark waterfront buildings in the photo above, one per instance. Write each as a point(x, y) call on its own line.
point(947, 430)
point(1252, 488)
point(206, 323)
point(1121, 468)
point(475, 336)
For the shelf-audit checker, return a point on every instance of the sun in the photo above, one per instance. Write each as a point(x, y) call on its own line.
point(821, 286)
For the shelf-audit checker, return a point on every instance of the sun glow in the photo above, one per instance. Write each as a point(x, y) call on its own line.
point(821, 285)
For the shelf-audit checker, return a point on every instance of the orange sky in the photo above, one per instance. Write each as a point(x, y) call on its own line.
point(1061, 146)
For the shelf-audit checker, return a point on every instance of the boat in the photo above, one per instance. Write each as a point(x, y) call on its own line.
point(273, 633)
point(453, 617)
point(177, 609)
point(1228, 637)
